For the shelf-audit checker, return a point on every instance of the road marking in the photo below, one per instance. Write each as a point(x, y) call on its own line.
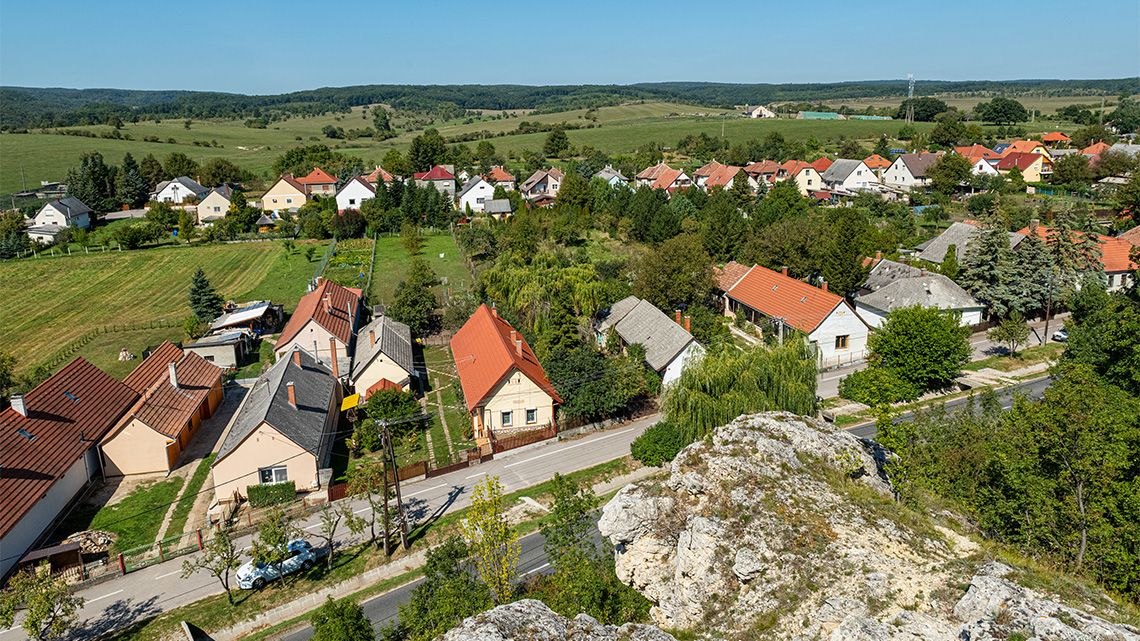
point(361, 510)
point(474, 475)
point(541, 567)
point(309, 527)
point(561, 450)
point(438, 487)
point(163, 576)
point(104, 596)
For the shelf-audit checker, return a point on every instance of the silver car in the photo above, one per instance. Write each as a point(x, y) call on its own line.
point(253, 575)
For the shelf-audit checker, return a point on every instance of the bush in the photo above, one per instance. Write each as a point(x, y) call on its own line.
point(876, 385)
point(271, 493)
point(659, 444)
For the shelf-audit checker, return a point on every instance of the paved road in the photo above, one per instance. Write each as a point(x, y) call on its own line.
point(116, 603)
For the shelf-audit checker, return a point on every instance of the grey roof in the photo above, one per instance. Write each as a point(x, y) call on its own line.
point(69, 206)
point(1126, 148)
point(886, 272)
point(931, 290)
point(638, 321)
point(497, 206)
point(268, 401)
point(1059, 153)
point(608, 173)
point(919, 163)
point(469, 185)
point(840, 170)
point(187, 182)
point(393, 339)
point(264, 220)
point(223, 338)
point(959, 234)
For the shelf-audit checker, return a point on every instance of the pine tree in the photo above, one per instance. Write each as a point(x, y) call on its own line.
point(205, 302)
point(151, 170)
point(130, 186)
point(1035, 283)
point(988, 268)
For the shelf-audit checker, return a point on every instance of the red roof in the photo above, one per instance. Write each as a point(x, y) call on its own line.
point(763, 167)
point(288, 178)
point(666, 178)
point(875, 161)
point(771, 293)
point(821, 195)
point(153, 367)
point(1055, 136)
point(381, 385)
point(975, 152)
point(708, 169)
point(821, 164)
point(435, 173)
point(499, 175)
point(1132, 236)
point(379, 175)
point(1096, 149)
point(164, 408)
point(794, 167)
point(1020, 160)
point(1113, 251)
point(722, 176)
point(728, 275)
point(317, 177)
point(651, 173)
point(1021, 147)
point(485, 353)
point(338, 316)
point(67, 413)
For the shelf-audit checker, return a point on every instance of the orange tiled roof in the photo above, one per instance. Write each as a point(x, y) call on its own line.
point(485, 353)
point(666, 178)
point(975, 152)
point(317, 177)
point(167, 409)
point(821, 164)
point(794, 167)
point(153, 367)
point(1022, 147)
point(708, 169)
point(762, 167)
point(722, 176)
point(498, 175)
point(1113, 251)
point(771, 293)
point(379, 175)
point(875, 161)
point(337, 317)
point(1096, 149)
point(727, 276)
point(1055, 136)
point(435, 173)
point(651, 173)
point(1131, 236)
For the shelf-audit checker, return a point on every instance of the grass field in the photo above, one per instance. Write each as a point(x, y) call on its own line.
point(135, 519)
point(441, 254)
point(186, 501)
point(1045, 104)
point(51, 301)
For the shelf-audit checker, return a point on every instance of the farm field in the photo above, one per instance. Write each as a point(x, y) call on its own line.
point(1045, 104)
point(391, 267)
point(49, 302)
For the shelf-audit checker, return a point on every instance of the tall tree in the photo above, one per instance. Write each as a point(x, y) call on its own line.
point(93, 182)
point(1002, 111)
point(677, 274)
point(427, 150)
point(988, 268)
point(131, 187)
point(219, 557)
point(152, 170)
point(179, 164)
point(448, 594)
point(557, 143)
point(925, 346)
point(949, 173)
point(380, 120)
point(205, 302)
point(50, 610)
point(494, 540)
point(219, 171)
point(341, 620)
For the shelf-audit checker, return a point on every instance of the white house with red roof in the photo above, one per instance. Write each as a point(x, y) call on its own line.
point(323, 325)
point(438, 177)
point(499, 177)
point(767, 297)
point(353, 194)
point(379, 175)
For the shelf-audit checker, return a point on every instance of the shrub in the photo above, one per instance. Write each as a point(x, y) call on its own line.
point(271, 493)
point(876, 385)
point(658, 444)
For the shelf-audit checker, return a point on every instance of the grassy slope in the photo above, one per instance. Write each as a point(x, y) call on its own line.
point(392, 265)
point(48, 302)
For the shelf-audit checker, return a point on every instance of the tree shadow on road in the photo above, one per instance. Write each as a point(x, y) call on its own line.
point(123, 616)
point(423, 525)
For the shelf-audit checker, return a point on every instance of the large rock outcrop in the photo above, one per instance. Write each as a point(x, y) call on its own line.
point(782, 527)
point(530, 620)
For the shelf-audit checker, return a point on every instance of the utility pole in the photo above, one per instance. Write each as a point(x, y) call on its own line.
point(390, 455)
point(384, 472)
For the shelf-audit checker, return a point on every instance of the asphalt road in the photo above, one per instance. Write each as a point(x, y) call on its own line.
point(123, 600)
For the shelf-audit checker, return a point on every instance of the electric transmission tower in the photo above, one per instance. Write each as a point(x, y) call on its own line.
point(910, 98)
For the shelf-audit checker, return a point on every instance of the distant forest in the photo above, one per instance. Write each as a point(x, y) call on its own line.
point(22, 107)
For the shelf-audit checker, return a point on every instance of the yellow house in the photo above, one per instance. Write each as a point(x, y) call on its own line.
point(504, 386)
point(1034, 167)
point(1027, 147)
point(215, 205)
point(383, 357)
point(285, 195)
point(283, 431)
point(177, 391)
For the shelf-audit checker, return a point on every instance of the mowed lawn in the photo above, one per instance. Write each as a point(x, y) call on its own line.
point(51, 301)
point(441, 254)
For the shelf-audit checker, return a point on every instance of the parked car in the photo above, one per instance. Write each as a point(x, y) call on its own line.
point(253, 575)
point(1061, 335)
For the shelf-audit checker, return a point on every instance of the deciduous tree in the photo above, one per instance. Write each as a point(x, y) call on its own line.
point(493, 540)
point(219, 557)
point(341, 620)
point(923, 345)
point(50, 610)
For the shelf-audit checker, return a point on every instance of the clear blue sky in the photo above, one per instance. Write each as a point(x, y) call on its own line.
point(253, 46)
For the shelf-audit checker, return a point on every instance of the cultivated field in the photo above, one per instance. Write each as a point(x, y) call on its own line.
point(49, 302)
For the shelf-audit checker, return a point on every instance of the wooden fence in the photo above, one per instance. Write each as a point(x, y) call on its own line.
point(521, 439)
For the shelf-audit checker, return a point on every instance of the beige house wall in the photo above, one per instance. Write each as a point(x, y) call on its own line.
point(264, 447)
point(206, 207)
point(808, 180)
point(516, 393)
point(137, 449)
point(282, 192)
point(314, 339)
point(380, 367)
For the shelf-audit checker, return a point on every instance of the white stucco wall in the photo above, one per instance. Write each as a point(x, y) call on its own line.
point(353, 195)
point(691, 355)
point(841, 321)
point(28, 529)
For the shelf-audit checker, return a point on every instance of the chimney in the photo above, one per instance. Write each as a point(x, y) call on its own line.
point(518, 346)
point(19, 405)
point(677, 316)
point(878, 254)
point(292, 394)
point(328, 304)
point(494, 311)
point(784, 270)
point(332, 357)
point(297, 357)
point(371, 337)
point(688, 320)
point(173, 369)
point(1033, 223)
point(823, 286)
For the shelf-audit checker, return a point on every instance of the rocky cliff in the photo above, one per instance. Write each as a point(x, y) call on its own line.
point(531, 620)
point(782, 527)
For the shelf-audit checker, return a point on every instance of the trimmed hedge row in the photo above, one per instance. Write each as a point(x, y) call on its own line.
point(271, 493)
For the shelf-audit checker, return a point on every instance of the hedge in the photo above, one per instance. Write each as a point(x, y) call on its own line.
point(658, 444)
point(876, 385)
point(271, 493)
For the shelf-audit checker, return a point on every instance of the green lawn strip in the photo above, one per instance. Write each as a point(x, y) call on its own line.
point(440, 453)
point(287, 279)
point(392, 262)
point(1025, 358)
point(189, 495)
point(135, 519)
point(103, 350)
point(458, 421)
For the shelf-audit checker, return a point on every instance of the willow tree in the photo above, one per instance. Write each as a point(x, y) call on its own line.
point(729, 382)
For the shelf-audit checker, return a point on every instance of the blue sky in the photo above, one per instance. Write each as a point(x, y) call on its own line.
point(251, 46)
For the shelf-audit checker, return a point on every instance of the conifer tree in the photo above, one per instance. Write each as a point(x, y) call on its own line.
point(205, 302)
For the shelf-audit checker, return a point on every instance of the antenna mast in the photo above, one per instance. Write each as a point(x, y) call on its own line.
point(910, 98)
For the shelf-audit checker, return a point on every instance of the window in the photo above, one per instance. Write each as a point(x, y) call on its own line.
point(505, 419)
point(352, 201)
point(209, 358)
point(841, 341)
point(287, 201)
point(278, 474)
point(531, 417)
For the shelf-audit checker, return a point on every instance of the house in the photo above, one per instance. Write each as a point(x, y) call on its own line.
point(259, 317)
point(542, 186)
point(1026, 147)
point(438, 177)
point(1115, 255)
point(759, 111)
point(226, 349)
point(1096, 149)
point(701, 174)
point(49, 451)
point(178, 190)
point(892, 285)
point(649, 175)
point(671, 180)
point(177, 391)
point(1129, 149)
point(908, 171)
point(1132, 236)
point(57, 215)
point(323, 324)
point(959, 235)
point(763, 172)
point(976, 152)
point(1034, 167)
point(1054, 138)
point(877, 164)
point(504, 386)
point(806, 178)
point(215, 205)
point(378, 176)
point(285, 195)
point(726, 176)
point(383, 357)
point(318, 183)
point(831, 326)
point(499, 177)
point(475, 194)
point(849, 175)
point(612, 176)
point(821, 164)
point(283, 431)
point(353, 194)
point(498, 208)
point(983, 167)
point(669, 347)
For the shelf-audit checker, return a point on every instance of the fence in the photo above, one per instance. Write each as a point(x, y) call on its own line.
point(70, 348)
point(320, 269)
point(168, 548)
point(521, 439)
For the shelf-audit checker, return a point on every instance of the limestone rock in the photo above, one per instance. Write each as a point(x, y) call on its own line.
point(530, 620)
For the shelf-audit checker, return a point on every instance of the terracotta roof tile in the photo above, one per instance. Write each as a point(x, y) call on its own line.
point(728, 275)
point(1096, 149)
point(1021, 147)
point(485, 354)
point(771, 293)
point(764, 167)
point(1017, 159)
point(1055, 136)
point(153, 367)
point(722, 176)
point(338, 317)
point(651, 173)
point(498, 174)
point(666, 178)
point(875, 161)
point(821, 164)
point(975, 152)
point(317, 176)
point(1114, 252)
point(379, 175)
point(708, 169)
point(435, 173)
point(167, 409)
